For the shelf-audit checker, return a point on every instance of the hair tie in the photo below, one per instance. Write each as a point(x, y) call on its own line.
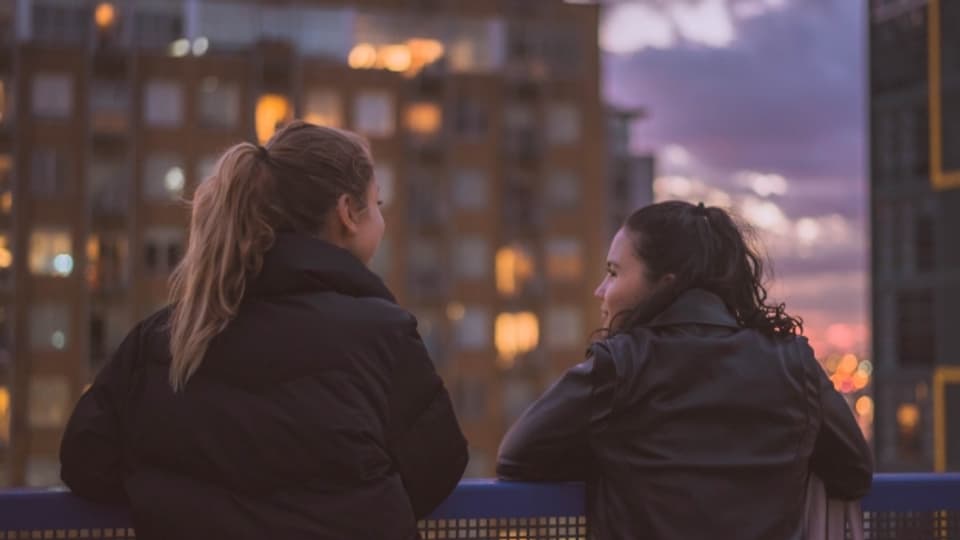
point(263, 153)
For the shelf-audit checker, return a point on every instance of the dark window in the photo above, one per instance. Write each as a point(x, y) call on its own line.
point(925, 247)
point(471, 118)
point(150, 256)
point(916, 332)
point(173, 255)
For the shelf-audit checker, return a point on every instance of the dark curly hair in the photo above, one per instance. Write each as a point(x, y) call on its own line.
point(703, 248)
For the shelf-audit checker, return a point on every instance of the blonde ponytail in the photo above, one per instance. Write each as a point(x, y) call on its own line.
point(229, 234)
point(236, 213)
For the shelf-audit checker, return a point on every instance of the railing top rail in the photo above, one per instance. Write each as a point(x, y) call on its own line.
point(473, 499)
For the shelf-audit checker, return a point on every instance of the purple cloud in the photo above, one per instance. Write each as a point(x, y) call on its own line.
point(785, 97)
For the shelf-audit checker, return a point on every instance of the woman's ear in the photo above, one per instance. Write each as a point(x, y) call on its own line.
point(346, 215)
point(667, 280)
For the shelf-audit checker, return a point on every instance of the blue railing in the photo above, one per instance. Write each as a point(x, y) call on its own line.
point(901, 506)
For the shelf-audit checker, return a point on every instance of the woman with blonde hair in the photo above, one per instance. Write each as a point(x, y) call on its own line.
point(283, 393)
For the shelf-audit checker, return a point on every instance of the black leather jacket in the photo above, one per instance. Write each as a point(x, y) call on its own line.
point(692, 427)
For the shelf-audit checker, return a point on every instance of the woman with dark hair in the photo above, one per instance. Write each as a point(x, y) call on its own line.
point(283, 393)
point(700, 411)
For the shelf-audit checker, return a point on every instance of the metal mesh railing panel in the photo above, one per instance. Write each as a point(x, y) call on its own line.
point(534, 528)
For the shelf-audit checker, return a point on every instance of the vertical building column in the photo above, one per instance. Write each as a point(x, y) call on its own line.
point(191, 19)
point(23, 17)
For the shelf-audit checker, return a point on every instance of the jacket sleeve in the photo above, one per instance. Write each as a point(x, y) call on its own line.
point(425, 439)
point(841, 456)
point(551, 440)
point(92, 448)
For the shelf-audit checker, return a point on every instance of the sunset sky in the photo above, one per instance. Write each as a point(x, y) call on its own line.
point(759, 105)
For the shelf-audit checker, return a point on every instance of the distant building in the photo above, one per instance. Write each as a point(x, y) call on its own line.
point(630, 175)
point(486, 124)
point(915, 213)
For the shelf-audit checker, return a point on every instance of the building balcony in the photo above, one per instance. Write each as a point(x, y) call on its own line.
point(900, 506)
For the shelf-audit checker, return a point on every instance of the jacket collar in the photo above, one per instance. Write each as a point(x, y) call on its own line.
point(695, 306)
point(299, 263)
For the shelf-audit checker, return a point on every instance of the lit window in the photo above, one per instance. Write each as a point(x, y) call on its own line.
point(163, 104)
point(108, 188)
point(51, 253)
point(6, 259)
point(219, 103)
point(163, 177)
point(563, 123)
point(109, 105)
point(564, 260)
point(470, 189)
point(473, 329)
point(516, 334)
point(423, 118)
point(909, 439)
point(49, 401)
point(162, 249)
point(362, 56)
point(105, 15)
point(4, 417)
point(373, 113)
point(396, 58)
point(564, 328)
point(49, 327)
point(472, 258)
point(52, 95)
point(6, 100)
point(515, 267)
point(563, 189)
point(48, 171)
point(323, 108)
point(383, 173)
point(423, 52)
point(273, 111)
point(107, 258)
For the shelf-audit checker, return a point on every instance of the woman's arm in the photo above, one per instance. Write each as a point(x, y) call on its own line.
point(841, 456)
point(92, 448)
point(424, 436)
point(551, 440)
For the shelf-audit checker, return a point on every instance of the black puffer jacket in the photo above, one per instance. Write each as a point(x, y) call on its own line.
point(693, 427)
point(316, 414)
